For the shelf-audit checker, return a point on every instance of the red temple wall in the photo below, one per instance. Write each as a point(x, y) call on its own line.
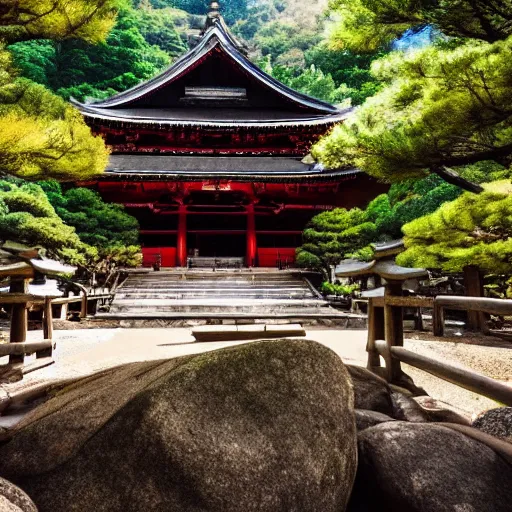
point(268, 257)
point(151, 254)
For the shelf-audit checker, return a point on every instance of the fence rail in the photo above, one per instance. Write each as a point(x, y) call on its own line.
point(18, 347)
point(385, 339)
point(462, 377)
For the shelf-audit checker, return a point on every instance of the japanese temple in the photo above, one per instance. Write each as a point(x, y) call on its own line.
point(208, 156)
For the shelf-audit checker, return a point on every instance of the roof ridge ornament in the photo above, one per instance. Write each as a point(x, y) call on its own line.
point(213, 17)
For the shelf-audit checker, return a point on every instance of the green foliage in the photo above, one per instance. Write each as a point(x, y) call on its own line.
point(311, 81)
point(332, 234)
point(79, 69)
point(335, 76)
point(471, 230)
point(445, 105)
point(370, 24)
point(338, 289)
point(348, 70)
point(337, 234)
point(276, 38)
point(158, 27)
point(27, 216)
point(89, 20)
point(41, 136)
point(105, 226)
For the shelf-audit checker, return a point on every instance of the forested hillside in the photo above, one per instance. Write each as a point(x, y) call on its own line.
point(286, 37)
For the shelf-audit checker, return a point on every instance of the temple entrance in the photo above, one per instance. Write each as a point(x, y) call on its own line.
point(216, 245)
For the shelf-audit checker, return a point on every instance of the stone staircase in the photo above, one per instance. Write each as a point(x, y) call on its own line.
point(173, 294)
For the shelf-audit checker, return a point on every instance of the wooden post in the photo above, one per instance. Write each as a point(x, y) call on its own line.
point(251, 243)
point(92, 306)
point(63, 312)
point(438, 319)
point(182, 236)
point(393, 328)
point(19, 318)
point(83, 306)
point(375, 332)
point(47, 327)
point(474, 286)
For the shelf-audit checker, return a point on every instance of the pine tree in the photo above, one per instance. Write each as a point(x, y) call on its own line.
point(41, 136)
point(446, 105)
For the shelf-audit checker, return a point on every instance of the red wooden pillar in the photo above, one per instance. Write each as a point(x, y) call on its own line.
point(250, 257)
point(181, 255)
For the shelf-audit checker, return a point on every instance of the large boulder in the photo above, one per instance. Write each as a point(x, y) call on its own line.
point(264, 426)
point(422, 467)
point(407, 409)
point(371, 392)
point(13, 499)
point(366, 419)
point(497, 422)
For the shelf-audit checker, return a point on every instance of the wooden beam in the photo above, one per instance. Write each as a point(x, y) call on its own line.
point(20, 298)
point(26, 347)
point(492, 306)
point(438, 319)
point(410, 302)
point(47, 328)
point(467, 379)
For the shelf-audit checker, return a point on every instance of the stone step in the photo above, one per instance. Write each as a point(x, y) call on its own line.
point(153, 294)
point(285, 316)
point(209, 284)
point(246, 332)
point(215, 291)
point(212, 276)
point(218, 302)
point(276, 282)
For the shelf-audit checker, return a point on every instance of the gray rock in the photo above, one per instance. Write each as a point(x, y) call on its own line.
point(423, 467)
point(366, 419)
point(496, 422)
point(371, 392)
point(407, 409)
point(438, 412)
point(265, 426)
point(13, 499)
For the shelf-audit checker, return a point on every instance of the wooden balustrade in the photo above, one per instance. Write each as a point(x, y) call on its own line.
point(18, 347)
point(385, 339)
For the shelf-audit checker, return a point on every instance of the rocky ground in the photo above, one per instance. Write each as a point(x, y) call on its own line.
point(83, 351)
point(260, 426)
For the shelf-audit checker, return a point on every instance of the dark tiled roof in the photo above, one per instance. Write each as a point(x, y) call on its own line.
point(244, 168)
point(212, 117)
point(122, 106)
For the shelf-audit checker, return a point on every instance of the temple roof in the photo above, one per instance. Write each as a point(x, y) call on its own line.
point(212, 84)
point(239, 168)
point(213, 118)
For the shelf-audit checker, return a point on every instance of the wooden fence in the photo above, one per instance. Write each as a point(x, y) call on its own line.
point(385, 339)
point(18, 347)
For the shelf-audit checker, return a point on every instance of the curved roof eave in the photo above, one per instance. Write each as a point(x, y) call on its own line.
point(105, 115)
point(215, 36)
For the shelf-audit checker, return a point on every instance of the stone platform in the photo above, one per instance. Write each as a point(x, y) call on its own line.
point(221, 296)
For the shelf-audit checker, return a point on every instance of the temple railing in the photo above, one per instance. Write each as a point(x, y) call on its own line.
point(386, 330)
point(385, 339)
point(18, 347)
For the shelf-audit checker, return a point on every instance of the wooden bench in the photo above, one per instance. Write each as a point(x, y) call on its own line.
point(246, 332)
